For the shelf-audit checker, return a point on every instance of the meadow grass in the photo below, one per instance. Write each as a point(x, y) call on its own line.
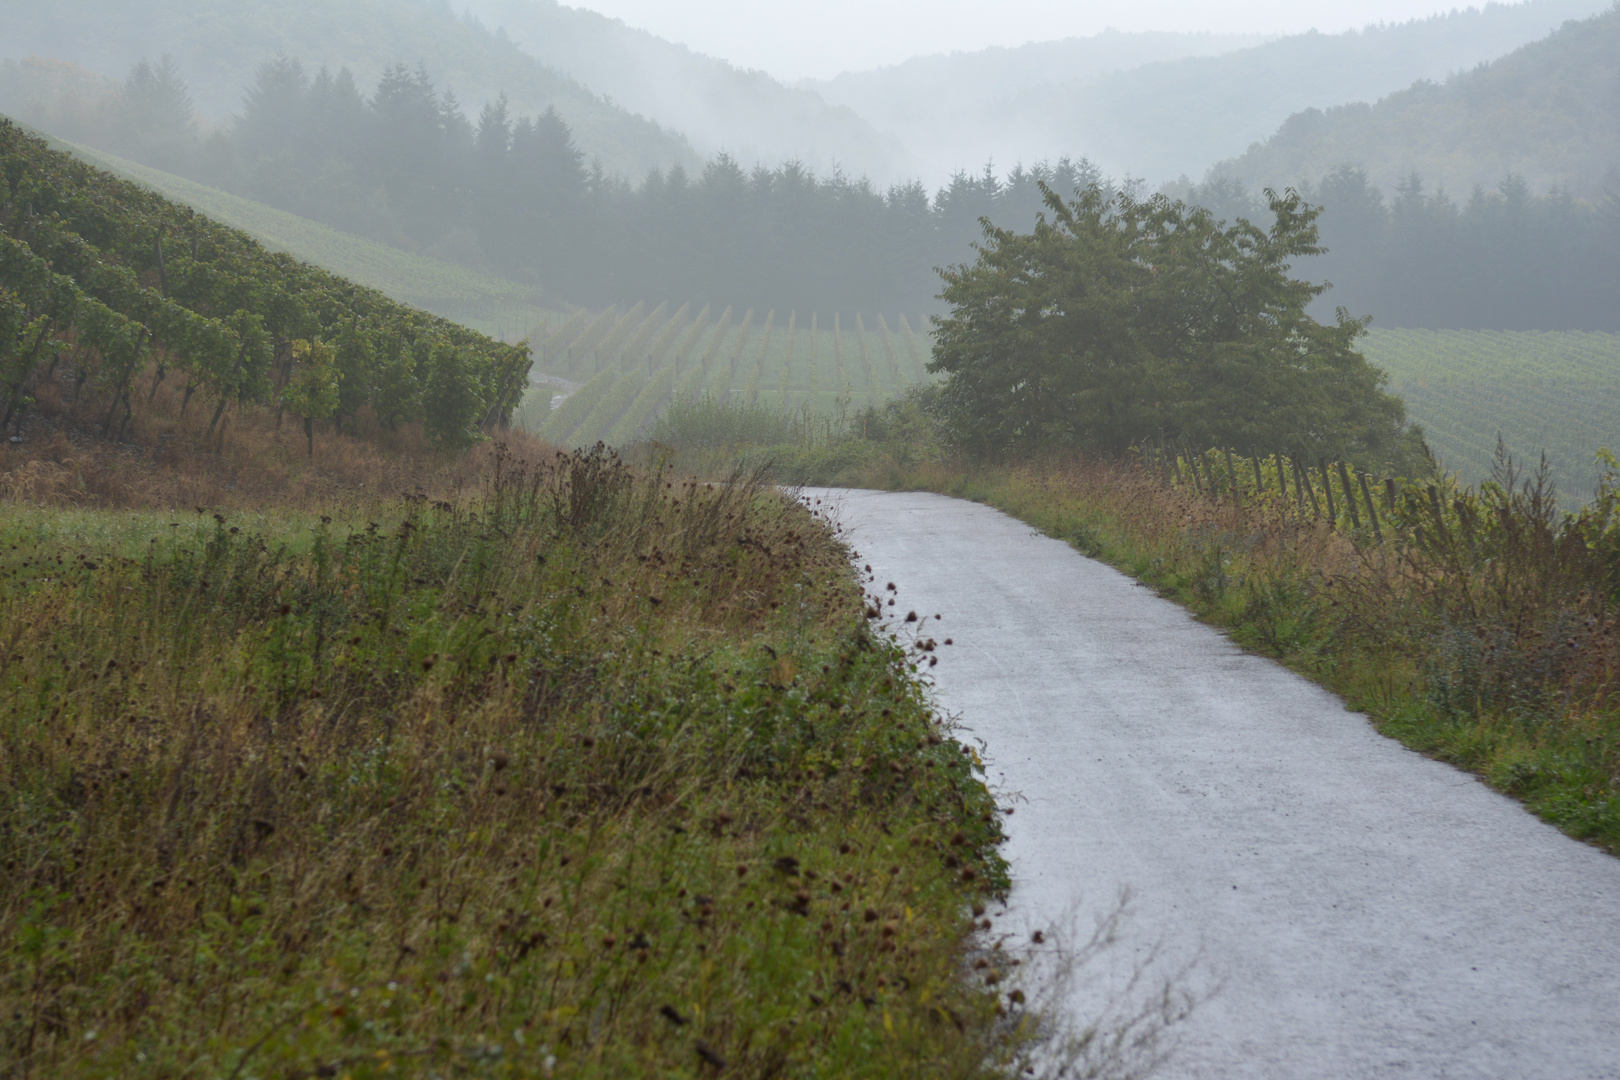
point(574, 770)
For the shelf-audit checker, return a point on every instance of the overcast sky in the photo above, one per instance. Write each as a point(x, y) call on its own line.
point(820, 38)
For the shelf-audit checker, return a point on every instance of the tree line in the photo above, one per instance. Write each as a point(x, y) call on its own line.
point(514, 194)
point(406, 164)
point(1503, 259)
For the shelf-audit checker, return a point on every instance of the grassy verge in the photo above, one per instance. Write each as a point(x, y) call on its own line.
point(1491, 643)
point(587, 772)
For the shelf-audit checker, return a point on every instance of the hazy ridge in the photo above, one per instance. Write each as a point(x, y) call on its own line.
point(1548, 112)
point(1160, 116)
point(218, 47)
point(720, 107)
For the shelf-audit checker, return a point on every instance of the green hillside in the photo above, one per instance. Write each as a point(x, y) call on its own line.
point(218, 47)
point(484, 302)
point(1165, 119)
point(1540, 390)
point(1549, 112)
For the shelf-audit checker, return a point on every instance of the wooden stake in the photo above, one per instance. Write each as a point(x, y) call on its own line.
point(1349, 496)
point(1372, 507)
point(1302, 483)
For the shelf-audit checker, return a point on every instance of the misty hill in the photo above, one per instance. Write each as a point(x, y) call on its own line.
point(721, 108)
point(945, 106)
point(1549, 113)
point(1167, 117)
point(218, 47)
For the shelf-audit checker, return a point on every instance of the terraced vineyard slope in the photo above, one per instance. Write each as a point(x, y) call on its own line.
point(112, 299)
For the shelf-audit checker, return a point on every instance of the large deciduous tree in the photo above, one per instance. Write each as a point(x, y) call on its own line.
point(1120, 320)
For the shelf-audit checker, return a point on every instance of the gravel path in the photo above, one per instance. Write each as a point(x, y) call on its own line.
point(1356, 909)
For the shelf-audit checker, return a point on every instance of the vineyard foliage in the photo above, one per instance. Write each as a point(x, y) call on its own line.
point(1552, 391)
point(635, 362)
point(117, 281)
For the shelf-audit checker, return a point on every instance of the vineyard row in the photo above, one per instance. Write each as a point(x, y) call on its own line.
point(634, 362)
point(102, 282)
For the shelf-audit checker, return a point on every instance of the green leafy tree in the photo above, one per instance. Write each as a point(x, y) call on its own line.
point(1120, 320)
point(312, 392)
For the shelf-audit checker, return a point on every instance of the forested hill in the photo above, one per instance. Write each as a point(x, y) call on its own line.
point(218, 46)
point(1175, 115)
point(1548, 112)
point(719, 107)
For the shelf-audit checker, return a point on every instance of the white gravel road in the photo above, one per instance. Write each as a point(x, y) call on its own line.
point(1357, 909)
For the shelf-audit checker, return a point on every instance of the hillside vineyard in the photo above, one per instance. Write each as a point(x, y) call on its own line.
point(132, 279)
point(634, 363)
